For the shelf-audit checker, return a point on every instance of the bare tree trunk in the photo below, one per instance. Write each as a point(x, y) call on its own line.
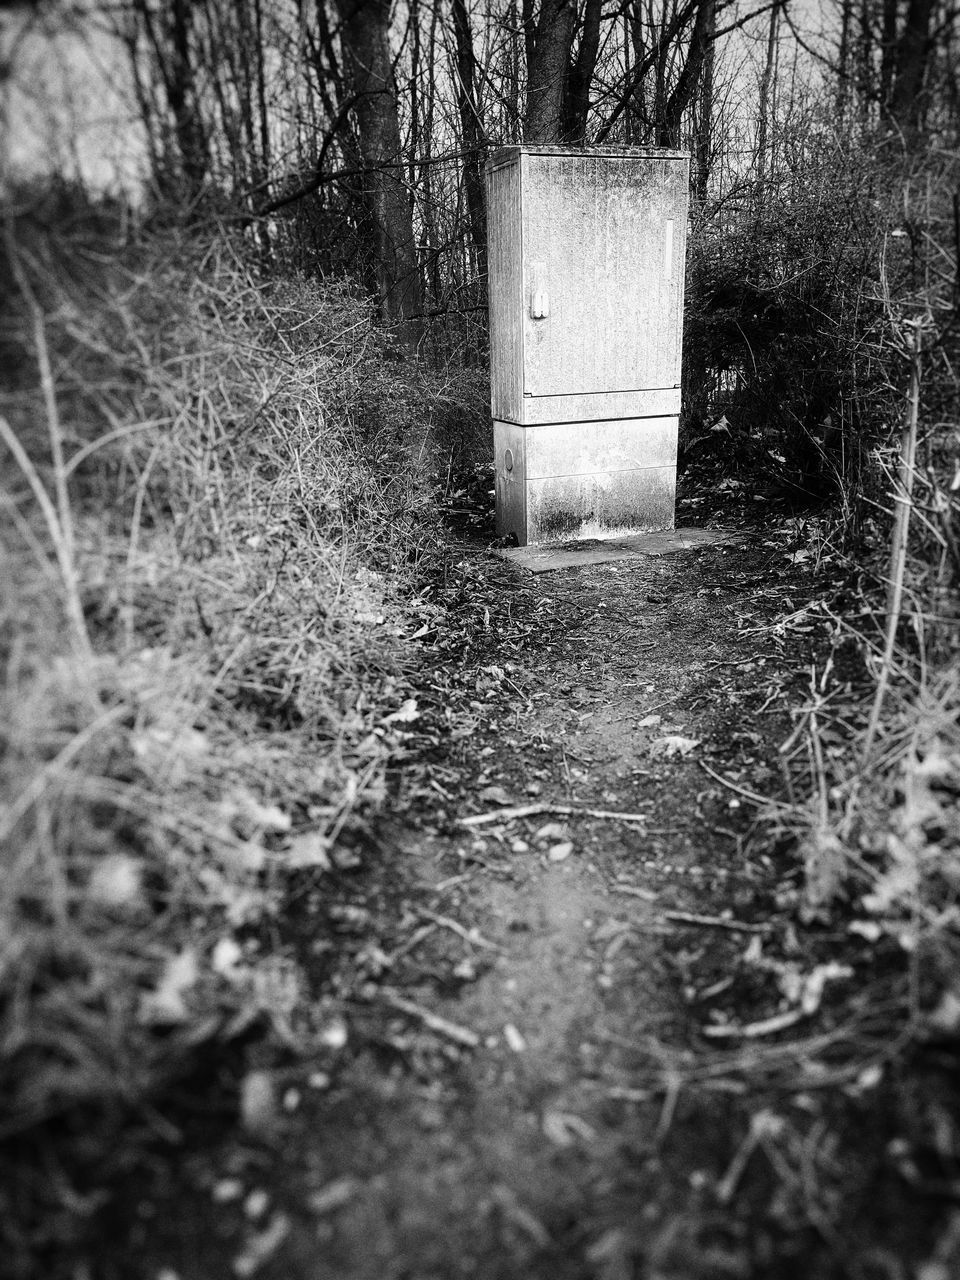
point(471, 131)
point(415, 146)
point(763, 104)
point(662, 57)
point(183, 100)
point(888, 49)
point(580, 75)
point(701, 38)
point(529, 32)
point(168, 35)
point(866, 88)
point(432, 275)
point(546, 71)
point(907, 103)
point(843, 58)
point(364, 34)
point(262, 87)
point(703, 132)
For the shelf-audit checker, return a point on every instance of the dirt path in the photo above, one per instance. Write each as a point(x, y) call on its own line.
point(546, 1153)
point(519, 1081)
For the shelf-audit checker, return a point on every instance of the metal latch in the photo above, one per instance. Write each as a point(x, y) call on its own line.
point(539, 298)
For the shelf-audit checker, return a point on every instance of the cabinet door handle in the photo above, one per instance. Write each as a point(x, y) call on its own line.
point(539, 297)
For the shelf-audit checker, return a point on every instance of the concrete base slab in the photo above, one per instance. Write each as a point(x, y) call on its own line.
point(599, 551)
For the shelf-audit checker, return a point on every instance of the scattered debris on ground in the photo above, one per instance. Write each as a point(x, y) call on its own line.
point(591, 1000)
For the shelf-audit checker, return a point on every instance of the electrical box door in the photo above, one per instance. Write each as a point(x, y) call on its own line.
point(586, 283)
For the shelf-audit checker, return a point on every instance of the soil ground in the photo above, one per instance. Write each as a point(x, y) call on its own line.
point(534, 1062)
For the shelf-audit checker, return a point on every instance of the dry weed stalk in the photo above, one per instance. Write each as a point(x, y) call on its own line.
point(58, 518)
point(900, 535)
point(234, 557)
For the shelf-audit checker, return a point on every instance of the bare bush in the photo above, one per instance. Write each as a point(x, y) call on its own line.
point(188, 488)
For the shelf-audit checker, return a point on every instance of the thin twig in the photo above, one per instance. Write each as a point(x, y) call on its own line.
point(411, 943)
point(899, 539)
point(752, 1030)
point(460, 1035)
point(59, 528)
point(715, 922)
point(565, 811)
point(62, 548)
point(472, 936)
point(742, 791)
point(32, 793)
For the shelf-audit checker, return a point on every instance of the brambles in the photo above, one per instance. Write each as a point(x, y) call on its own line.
point(234, 562)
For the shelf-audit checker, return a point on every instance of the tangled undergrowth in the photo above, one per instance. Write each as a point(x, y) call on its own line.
point(214, 512)
point(208, 525)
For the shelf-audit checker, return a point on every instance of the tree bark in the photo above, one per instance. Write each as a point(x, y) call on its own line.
point(888, 49)
point(576, 105)
point(653, 57)
point(546, 72)
point(364, 36)
point(701, 37)
point(703, 132)
point(471, 131)
point(913, 50)
point(765, 100)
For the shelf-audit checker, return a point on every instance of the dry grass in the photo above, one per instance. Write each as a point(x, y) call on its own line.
point(202, 573)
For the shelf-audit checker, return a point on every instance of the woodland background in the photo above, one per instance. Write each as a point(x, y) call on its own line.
point(238, 386)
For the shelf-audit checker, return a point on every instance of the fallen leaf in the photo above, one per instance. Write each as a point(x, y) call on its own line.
point(649, 722)
point(225, 957)
point(244, 809)
point(334, 1034)
point(867, 929)
point(551, 831)
point(945, 1018)
point(166, 1004)
point(117, 882)
point(563, 1128)
point(407, 713)
point(496, 795)
point(261, 1247)
point(333, 1196)
point(514, 1039)
point(561, 851)
point(227, 1190)
point(258, 1104)
point(611, 1256)
point(256, 1204)
point(308, 849)
point(673, 745)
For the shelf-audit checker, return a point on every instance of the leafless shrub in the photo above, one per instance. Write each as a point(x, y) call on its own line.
point(188, 494)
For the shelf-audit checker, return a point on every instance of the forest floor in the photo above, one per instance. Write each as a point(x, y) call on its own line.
point(574, 1023)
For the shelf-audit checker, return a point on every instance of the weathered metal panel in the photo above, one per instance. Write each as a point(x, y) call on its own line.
point(601, 504)
point(603, 243)
point(578, 448)
point(510, 470)
point(505, 285)
point(585, 480)
point(653, 403)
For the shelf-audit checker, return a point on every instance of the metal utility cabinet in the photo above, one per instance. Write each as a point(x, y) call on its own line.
point(586, 264)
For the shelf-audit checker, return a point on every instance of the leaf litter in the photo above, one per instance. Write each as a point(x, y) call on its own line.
point(665, 1023)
